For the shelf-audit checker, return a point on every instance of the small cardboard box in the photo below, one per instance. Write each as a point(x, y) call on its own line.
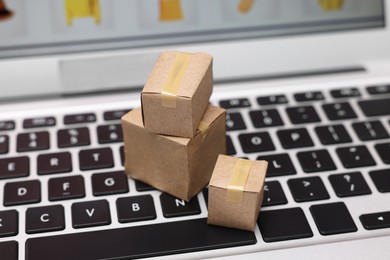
point(177, 93)
point(176, 165)
point(236, 192)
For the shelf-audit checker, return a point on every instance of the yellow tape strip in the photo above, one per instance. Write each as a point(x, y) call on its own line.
point(238, 180)
point(203, 128)
point(172, 83)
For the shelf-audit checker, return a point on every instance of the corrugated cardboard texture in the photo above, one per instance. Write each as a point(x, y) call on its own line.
point(241, 215)
point(176, 165)
point(191, 101)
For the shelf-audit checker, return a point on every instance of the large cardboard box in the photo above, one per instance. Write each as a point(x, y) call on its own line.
point(177, 93)
point(176, 165)
point(236, 192)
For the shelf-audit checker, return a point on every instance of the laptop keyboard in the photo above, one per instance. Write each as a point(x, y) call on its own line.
point(64, 189)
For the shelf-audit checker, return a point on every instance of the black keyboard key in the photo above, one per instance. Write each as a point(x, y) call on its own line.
point(309, 96)
point(109, 134)
point(234, 121)
point(278, 164)
point(375, 107)
point(303, 115)
point(33, 141)
point(230, 150)
point(79, 118)
point(4, 144)
point(283, 224)
point(371, 130)
point(138, 241)
point(381, 179)
point(45, 219)
point(18, 193)
point(332, 218)
point(73, 137)
point(9, 250)
point(109, 183)
point(376, 220)
point(234, 103)
point(96, 159)
point(295, 138)
point(54, 163)
point(273, 194)
point(316, 161)
point(14, 167)
point(339, 111)
point(256, 142)
point(333, 134)
point(9, 223)
point(90, 213)
point(39, 122)
point(265, 118)
point(384, 152)
point(174, 207)
point(136, 208)
point(63, 188)
point(122, 154)
point(355, 156)
point(349, 184)
point(141, 186)
point(115, 114)
point(308, 189)
point(345, 93)
point(7, 125)
point(272, 100)
point(378, 90)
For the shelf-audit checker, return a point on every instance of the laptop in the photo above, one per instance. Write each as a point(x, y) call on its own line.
point(306, 86)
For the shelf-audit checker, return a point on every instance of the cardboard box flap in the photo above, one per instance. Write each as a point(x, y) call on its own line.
point(211, 114)
point(196, 69)
point(224, 169)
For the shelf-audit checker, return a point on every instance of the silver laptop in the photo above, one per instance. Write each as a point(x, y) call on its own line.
point(306, 84)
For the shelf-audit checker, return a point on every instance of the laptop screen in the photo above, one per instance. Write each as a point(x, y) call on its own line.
point(60, 26)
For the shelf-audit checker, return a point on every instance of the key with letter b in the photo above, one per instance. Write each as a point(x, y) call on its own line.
point(135, 208)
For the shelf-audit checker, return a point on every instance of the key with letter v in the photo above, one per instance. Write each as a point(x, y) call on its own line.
point(90, 213)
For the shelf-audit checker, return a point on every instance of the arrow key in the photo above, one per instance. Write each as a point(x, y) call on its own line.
point(376, 220)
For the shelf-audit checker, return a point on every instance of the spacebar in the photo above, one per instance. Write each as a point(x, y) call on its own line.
point(137, 242)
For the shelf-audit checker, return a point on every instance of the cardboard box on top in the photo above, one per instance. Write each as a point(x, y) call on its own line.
point(177, 93)
point(179, 166)
point(236, 192)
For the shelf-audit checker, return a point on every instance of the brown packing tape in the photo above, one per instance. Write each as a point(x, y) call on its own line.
point(203, 128)
point(238, 180)
point(175, 76)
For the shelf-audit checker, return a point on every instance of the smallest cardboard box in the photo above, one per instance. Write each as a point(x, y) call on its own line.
point(177, 93)
point(236, 192)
